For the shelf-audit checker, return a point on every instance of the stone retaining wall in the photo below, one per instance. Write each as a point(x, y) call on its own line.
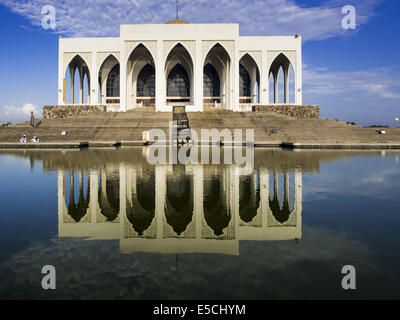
point(295, 111)
point(58, 112)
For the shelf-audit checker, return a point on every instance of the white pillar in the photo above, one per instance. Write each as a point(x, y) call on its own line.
point(286, 81)
point(234, 101)
point(61, 75)
point(81, 75)
point(298, 74)
point(198, 77)
point(123, 78)
point(72, 83)
point(160, 78)
point(275, 75)
point(254, 84)
point(94, 81)
point(264, 81)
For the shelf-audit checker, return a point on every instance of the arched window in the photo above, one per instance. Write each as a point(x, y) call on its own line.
point(178, 84)
point(112, 87)
point(146, 82)
point(211, 87)
point(245, 82)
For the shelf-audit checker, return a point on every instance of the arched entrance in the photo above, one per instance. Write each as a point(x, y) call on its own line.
point(76, 82)
point(281, 65)
point(179, 77)
point(140, 78)
point(216, 81)
point(249, 81)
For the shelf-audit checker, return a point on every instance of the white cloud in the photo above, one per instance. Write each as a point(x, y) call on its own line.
point(379, 82)
point(18, 114)
point(256, 17)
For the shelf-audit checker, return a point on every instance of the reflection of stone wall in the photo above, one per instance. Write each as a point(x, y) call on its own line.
point(295, 111)
point(58, 112)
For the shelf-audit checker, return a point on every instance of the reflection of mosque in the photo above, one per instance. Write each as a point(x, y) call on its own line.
point(174, 209)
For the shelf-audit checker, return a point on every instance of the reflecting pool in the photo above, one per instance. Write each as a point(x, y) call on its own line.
point(114, 226)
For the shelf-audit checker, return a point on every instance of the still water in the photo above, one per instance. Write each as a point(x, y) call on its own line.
point(115, 226)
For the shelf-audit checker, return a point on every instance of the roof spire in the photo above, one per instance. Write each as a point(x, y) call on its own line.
point(177, 9)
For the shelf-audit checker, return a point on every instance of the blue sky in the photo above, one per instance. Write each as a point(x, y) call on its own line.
point(354, 75)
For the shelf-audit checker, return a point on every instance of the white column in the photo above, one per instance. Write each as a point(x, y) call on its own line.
point(72, 83)
point(61, 75)
point(198, 77)
point(298, 75)
point(275, 75)
point(286, 81)
point(234, 101)
point(94, 81)
point(123, 78)
point(81, 85)
point(160, 78)
point(264, 81)
point(254, 84)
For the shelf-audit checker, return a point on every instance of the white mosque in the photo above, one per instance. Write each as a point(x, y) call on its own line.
point(180, 64)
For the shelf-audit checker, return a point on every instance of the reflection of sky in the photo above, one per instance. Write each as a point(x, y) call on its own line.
point(372, 176)
point(349, 217)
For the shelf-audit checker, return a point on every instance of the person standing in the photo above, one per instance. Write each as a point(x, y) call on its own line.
point(32, 122)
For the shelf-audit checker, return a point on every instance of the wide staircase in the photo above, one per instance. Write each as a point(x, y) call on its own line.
point(129, 126)
point(101, 126)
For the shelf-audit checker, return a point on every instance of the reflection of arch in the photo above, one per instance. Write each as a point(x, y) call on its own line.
point(140, 210)
point(281, 214)
point(78, 210)
point(179, 76)
point(139, 58)
point(249, 86)
point(108, 196)
point(179, 202)
point(217, 58)
point(216, 212)
point(249, 198)
point(281, 61)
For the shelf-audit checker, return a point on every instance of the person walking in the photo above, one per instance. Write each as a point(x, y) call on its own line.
point(32, 122)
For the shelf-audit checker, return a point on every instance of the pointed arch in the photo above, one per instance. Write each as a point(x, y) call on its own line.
point(250, 65)
point(146, 82)
point(284, 62)
point(77, 63)
point(76, 56)
point(139, 57)
point(211, 82)
point(179, 76)
point(219, 58)
point(109, 78)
